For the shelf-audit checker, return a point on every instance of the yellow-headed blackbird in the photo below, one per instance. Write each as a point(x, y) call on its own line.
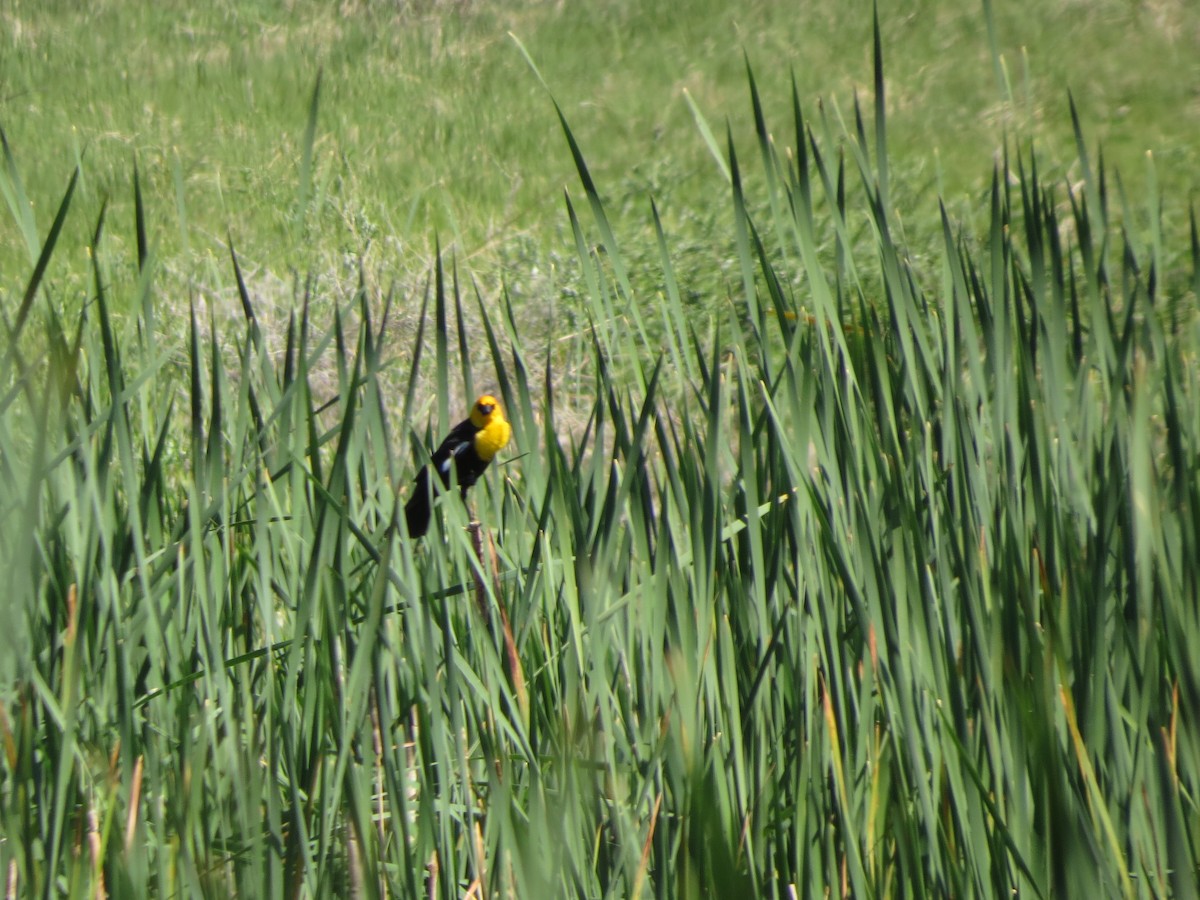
point(470, 446)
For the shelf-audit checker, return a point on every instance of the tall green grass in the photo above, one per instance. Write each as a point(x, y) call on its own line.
point(880, 584)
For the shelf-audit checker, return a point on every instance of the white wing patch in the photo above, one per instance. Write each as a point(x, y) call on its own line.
point(458, 448)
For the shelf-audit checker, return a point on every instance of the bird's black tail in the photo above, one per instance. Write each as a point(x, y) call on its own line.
point(416, 510)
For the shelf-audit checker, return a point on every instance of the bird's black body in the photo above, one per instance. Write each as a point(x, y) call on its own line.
point(461, 448)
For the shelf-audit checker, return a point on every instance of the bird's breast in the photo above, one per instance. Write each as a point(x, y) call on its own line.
point(491, 440)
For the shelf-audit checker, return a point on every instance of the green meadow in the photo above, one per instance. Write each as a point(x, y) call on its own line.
point(845, 545)
point(431, 126)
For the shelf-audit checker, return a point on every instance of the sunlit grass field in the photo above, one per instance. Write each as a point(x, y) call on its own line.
point(846, 542)
point(430, 124)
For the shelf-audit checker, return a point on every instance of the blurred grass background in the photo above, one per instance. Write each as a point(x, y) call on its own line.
point(430, 122)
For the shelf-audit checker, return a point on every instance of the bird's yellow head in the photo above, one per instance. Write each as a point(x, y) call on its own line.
point(486, 411)
point(492, 429)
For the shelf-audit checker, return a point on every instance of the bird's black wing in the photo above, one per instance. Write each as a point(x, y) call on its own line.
point(457, 448)
point(417, 511)
point(461, 439)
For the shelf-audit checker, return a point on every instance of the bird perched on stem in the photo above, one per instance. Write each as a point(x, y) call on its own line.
point(469, 447)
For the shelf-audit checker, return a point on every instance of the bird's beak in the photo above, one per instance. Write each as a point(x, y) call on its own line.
point(486, 408)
